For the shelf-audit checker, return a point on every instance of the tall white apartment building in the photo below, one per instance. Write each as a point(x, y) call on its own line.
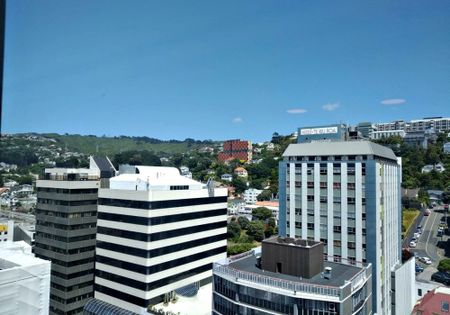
point(347, 195)
point(24, 280)
point(157, 231)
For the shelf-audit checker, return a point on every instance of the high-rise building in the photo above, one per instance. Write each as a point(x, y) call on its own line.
point(24, 280)
point(66, 220)
point(290, 276)
point(157, 232)
point(347, 195)
point(236, 149)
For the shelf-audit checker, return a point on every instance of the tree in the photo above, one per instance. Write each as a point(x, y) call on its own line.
point(243, 222)
point(27, 179)
point(265, 195)
point(233, 230)
point(239, 248)
point(2, 182)
point(446, 197)
point(239, 185)
point(256, 229)
point(444, 265)
point(261, 213)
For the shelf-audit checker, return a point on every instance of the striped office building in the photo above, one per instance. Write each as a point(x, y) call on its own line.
point(347, 195)
point(157, 231)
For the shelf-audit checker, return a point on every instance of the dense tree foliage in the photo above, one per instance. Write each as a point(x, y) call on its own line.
point(261, 213)
point(414, 158)
point(136, 158)
point(256, 229)
point(233, 230)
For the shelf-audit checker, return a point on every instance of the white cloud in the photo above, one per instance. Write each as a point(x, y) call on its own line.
point(237, 120)
point(296, 111)
point(331, 106)
point(393, 101)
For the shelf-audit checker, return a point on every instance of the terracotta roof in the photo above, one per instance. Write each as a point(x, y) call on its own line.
point(240, 169)
point(433, 302)
point(267, 203)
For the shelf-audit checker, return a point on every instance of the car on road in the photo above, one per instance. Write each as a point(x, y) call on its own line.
point(425, 260)
point(419, 268)
point(441, 277)
point(412, 244)
point(427, 212)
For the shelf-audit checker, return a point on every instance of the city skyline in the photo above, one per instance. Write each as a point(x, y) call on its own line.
point(215, 71)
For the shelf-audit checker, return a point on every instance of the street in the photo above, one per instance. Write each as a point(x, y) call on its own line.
point(427, 244)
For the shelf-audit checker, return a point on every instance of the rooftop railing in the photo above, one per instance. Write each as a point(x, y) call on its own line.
point(282, 284)
point(223, 268)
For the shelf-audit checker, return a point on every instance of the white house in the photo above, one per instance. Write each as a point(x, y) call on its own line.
point(226, 177)
point(251, 194)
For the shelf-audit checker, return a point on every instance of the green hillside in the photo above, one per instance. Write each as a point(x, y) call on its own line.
point(113, 145)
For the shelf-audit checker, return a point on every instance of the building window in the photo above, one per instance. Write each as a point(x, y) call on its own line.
point(445, 306)
point(337, 185)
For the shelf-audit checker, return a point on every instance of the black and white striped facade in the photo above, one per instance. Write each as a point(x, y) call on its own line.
point(157, 231)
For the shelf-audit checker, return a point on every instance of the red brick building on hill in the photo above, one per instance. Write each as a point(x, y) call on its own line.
point(236, 149)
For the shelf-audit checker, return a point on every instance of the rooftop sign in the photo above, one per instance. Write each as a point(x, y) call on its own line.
point(318, 131)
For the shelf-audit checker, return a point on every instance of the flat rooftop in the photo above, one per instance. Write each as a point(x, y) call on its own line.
point(339, 275)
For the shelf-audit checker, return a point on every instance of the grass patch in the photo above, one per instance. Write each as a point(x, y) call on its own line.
point(408, 217)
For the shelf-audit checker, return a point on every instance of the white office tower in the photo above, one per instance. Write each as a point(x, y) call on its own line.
point(157, 231)
point(347, 195)
point(24, 281)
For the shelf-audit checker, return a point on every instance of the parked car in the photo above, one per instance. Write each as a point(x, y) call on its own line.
point(440, 232)
point(425, 260)
point(441, 277)
point(417, 235)
point(412, 244)
point(419, 268)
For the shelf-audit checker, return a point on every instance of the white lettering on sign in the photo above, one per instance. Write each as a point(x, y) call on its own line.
point(318, 131)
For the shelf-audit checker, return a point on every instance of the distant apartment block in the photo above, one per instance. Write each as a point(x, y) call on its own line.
point(157, 232)
point(24, 280)
point(251, 194)
point(439, 124)
point(346, 194)
point(236, 149)
point(290, 276)
point(377, 135)
point(66, 221)
point(365, 129)
point(446, 148)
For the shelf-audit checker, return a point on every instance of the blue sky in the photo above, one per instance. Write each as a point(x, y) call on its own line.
point(219, 70)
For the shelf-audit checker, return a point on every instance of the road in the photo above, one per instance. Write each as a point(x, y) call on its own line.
point(18, 216)
point(427, 244)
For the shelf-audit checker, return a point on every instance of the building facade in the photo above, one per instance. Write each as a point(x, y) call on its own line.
point(66, 220)
point(6, 231)
point(272, 280)
point(251, 194)
point(24, 280)
point(157, 232)
point(236, 149)
point(347, 195)
point(376, 135)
